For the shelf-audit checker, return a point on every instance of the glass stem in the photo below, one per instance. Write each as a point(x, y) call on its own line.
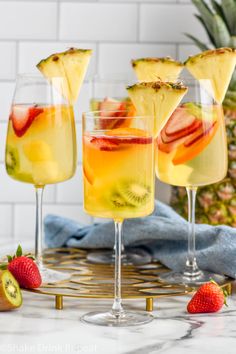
point(122, 246)
point(117, 309)
point(39, 226)
point(191, 263)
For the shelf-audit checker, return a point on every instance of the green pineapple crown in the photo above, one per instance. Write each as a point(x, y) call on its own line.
point(219, 21)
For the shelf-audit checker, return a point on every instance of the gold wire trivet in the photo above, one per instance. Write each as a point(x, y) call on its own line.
point(96, 281)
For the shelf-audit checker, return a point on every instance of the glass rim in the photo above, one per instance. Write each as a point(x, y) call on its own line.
point(185, 79)
point(38, 76)
point(96, 115)
point(110, 79)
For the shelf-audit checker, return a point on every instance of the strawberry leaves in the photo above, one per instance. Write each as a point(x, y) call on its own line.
point(19, 251)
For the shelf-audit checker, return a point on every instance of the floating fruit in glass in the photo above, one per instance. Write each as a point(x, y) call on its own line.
point(41, 140)
point(191, 151)
point(118, 167)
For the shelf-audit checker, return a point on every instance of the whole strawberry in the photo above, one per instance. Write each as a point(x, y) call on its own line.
point(208, 298)
point(24, 269)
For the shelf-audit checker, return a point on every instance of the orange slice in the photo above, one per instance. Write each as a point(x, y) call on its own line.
point(185, 153)
point(126, 131)
point(88, 172)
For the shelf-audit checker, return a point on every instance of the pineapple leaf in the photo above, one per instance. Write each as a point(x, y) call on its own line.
point(229, 8)
point(218, 9)
point(220, 32)
point(233, 42)
point(205, 12)
point(231, 95)
point(198, 43)
point(229, 103)
point(211, 38)
point(232, 85)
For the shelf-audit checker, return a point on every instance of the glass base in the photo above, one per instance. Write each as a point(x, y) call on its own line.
point(196, 279)
point(108, 319)
point(135, 257)
point(52, 276)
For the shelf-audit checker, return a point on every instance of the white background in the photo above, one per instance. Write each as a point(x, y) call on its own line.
point(117, 31)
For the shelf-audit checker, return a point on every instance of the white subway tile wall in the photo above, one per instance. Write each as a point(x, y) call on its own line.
point(117, 30)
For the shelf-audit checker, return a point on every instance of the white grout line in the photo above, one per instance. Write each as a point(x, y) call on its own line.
point(85, 41)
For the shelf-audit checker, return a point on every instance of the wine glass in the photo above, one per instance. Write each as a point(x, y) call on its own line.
point(109, 95)
point(191, 152)
point(120, 188)
point(41, 145)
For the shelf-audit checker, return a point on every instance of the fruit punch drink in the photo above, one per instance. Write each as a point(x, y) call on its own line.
point(117, 182)
point(39, 148)
point(191, 148)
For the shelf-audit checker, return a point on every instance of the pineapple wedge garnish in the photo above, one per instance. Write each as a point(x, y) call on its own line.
point(70, 65)
point(216, 65)
point(157, 99)
point(155, 69)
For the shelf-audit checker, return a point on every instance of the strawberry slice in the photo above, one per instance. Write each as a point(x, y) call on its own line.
point(195, 144)
point(168, 147)
point(139, 140)
point(110, 110)
point(22, 117)
point(105, 144)
point(108, 105)
point(179, 121)
point(193, 138)
point(179, 127)
point(180, 124)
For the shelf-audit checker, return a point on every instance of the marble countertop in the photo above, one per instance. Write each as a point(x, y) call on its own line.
point(37, 327)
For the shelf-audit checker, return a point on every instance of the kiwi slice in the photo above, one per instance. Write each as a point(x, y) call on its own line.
point(10, 294)
point(134, 192)
point(12, 160)
point(118, 201)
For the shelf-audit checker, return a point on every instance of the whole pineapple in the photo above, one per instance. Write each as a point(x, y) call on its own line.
point(216, 204)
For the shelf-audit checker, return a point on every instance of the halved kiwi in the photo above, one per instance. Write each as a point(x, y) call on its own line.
point(12, 160)
point(10, 294)
point(134, 192)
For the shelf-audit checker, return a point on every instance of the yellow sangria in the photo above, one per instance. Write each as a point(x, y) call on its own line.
point(39, 148)
point(118, 171)
point(191, 148)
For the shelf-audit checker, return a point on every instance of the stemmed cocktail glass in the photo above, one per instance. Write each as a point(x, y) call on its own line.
point(109, 95)
point(41, 145)
point(118, 184)
point(191, 152)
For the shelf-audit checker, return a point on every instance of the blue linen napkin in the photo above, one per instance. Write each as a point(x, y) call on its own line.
point(163, 234)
